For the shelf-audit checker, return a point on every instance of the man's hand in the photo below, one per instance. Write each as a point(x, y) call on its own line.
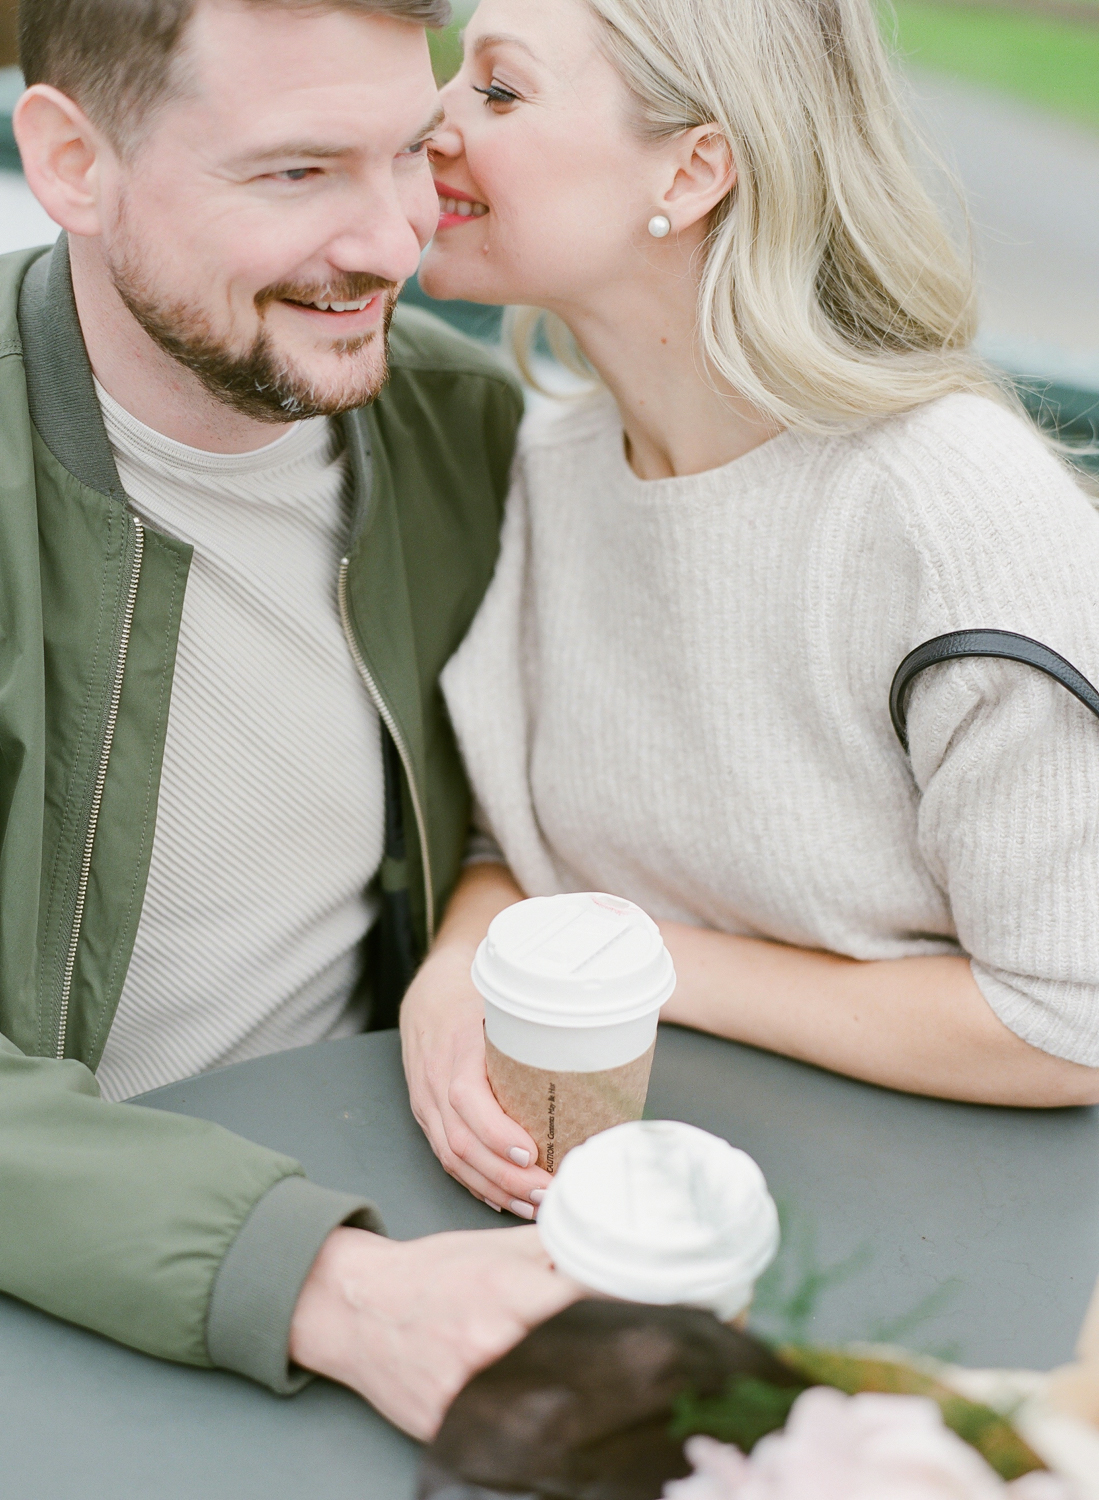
point(408, 1323)
point(443, 1044)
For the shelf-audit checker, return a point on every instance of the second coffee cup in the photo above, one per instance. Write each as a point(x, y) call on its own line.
point(573, 987)
point(660, 1211)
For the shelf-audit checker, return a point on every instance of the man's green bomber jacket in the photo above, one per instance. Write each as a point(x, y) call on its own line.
point(163, 1232)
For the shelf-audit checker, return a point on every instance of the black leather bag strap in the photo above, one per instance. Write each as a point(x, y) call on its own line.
point(1004, 643)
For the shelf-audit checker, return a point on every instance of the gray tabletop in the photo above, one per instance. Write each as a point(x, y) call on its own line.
point(960, 1230)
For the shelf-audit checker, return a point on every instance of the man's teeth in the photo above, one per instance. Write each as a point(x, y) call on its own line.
point(460, 206)
point(326, 306)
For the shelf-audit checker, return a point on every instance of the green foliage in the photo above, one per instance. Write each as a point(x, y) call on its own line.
point(897, 1330)
point(1049, 62)
point(982, 1428)
point(446, 53)
point(747, 1410)
point(789, 1294)
point(786, 1305)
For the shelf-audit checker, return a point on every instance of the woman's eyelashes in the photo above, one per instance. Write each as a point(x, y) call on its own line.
point(496, 95)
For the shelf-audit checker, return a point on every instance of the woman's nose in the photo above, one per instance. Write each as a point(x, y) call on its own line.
point(446, 139)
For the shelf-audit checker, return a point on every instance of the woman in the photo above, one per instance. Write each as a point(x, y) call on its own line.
point(791, 472)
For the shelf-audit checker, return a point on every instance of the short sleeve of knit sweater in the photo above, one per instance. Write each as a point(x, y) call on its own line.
point(677, 691)
point(1007, 761)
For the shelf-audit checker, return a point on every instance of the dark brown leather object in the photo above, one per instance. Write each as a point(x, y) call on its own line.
point(581, 1409)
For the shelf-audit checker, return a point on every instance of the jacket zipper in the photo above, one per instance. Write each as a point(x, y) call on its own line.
point(402, 750)
point(100, 782)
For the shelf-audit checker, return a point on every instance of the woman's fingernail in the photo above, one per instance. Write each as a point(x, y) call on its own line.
point(520, 1157)
point(537, 1194)
point(520, 1209)
point(494, 1206)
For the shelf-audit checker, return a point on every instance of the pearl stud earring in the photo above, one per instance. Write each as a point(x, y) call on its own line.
point(659, 226)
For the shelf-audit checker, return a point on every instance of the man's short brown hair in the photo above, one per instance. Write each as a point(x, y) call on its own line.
point(114, 57)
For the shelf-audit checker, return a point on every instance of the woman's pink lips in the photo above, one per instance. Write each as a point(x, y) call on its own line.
point(451, 221)
point(449, 192)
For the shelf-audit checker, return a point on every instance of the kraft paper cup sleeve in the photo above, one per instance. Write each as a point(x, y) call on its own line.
point(559, 1109)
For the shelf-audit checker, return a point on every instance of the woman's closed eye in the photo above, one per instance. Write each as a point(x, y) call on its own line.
point(496, 95)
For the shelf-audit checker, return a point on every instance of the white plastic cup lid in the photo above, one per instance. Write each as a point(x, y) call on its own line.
point(576, 960)
point(661, 1212)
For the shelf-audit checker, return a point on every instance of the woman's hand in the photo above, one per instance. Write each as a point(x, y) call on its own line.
point(443, 1044)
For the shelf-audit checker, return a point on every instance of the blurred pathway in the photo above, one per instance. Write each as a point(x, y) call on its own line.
point(1032, 188)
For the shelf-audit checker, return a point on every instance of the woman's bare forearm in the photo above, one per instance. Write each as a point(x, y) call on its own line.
point(917, 1024)
point(482, 891)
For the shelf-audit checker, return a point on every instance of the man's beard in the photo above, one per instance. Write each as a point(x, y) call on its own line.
point(260, 383)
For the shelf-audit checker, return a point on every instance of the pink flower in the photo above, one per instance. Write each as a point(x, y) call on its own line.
point(865, 1447)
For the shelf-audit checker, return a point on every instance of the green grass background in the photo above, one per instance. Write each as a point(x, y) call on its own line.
point(1050, 63)
point(446, 52)
point(1053, 64)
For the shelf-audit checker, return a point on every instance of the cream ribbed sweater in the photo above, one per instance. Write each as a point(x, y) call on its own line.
point(677, 691)
point(271, 811)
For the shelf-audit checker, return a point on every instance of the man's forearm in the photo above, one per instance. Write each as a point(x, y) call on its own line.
point(161, 1231)
point(917, 1024)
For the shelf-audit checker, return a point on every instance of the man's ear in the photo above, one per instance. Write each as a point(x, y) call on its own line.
point(62, 155)
point(705, 174)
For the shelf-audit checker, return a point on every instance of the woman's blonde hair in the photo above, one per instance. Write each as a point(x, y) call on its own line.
point(831, 291)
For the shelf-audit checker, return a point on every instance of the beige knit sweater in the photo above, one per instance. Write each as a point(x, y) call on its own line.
point(677, 691)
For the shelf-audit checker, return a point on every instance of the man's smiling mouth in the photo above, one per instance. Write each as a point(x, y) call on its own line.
point(324, 304)
point(349, 296)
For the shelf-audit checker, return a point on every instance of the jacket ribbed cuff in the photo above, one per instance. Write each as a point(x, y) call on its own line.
point(261, 1276)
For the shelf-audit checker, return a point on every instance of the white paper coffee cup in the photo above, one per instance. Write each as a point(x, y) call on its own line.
point(661, 1212)
point(573, 987)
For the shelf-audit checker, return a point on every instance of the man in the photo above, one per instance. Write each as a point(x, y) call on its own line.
point(213, 731)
